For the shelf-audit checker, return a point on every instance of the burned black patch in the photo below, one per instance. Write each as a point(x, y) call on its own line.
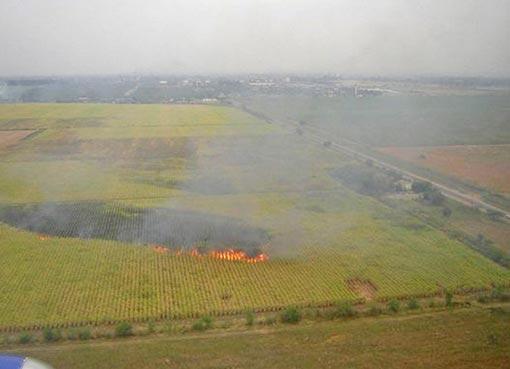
point(169, 227)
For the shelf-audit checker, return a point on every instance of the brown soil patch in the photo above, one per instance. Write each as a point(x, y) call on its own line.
point(363, 287)
point(11, 138)
point(483, 165)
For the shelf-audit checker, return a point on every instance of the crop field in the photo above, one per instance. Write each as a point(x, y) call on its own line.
point(400, 120)
point(137, 212)
point(10, 138)
point(483, 165)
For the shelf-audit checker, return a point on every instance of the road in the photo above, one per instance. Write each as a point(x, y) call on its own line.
point(320, 137)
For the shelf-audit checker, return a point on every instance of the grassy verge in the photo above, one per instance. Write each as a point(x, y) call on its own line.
point(454, 338)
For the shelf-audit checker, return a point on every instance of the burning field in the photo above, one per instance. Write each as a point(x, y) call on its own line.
point(167, 230)
point(136, 212)
point(256, 256)
point(483, 165)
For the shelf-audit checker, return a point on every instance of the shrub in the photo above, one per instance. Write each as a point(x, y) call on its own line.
point(290, 315)
point(413, 304)
point(250, 318)
point(345, 310)
point(433, 197)
point(394, 306)
point(123, 329)
point(168, 328)
point(421, 186)
point(72, 334)
point(25, 338)
point(51, 335)
point(202, 324)
point(448, 299)
point(84, 334)
point(447, 212)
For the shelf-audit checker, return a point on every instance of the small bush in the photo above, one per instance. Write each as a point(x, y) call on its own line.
point(123, 329)
point(345, 310)
point(202, 324)
point(448, 299)
point(447, 212)
point(168, 328)
point(394, 306)
point(290, 315)
point(25, 338)
point(72, 334)
point(413, 304)
point(250, 318)
point(208, 321)
point(51, 335)
point(84, 334)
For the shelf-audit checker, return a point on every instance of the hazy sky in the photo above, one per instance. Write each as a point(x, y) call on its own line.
point(375, 37)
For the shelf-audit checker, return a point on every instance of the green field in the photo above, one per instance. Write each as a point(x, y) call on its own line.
point(398, 120)
point(457, 339)
point(241, 179)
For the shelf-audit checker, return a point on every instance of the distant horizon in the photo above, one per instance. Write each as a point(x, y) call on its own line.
point(256, 74)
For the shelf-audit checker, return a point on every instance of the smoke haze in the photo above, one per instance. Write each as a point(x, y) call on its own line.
point(376, 37)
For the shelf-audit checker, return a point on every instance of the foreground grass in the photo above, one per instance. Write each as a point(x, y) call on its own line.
point(471, 338)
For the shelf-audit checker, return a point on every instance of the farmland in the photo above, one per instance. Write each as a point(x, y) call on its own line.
point(482, 165)
point(10, 138)
point(86, 203)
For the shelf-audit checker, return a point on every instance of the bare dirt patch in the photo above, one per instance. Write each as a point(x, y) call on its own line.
point(483, 165)
point(363, 287)
point(11, 138)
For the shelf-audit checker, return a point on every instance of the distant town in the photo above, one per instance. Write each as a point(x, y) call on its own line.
point(132, 89)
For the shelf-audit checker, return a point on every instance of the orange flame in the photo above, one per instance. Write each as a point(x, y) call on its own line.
point(237, 255)
point(160, 249)
point(43, 237)
point(227, 254)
